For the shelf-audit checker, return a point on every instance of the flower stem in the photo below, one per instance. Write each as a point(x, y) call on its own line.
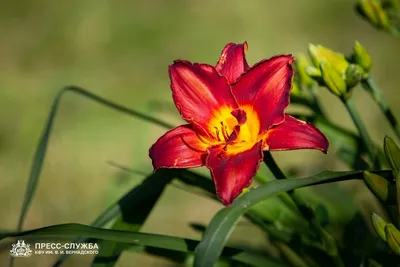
point(315, 103)
point(355, 116)
point(304, 209)
point(273, 166)
point(379, 98)
point(308, 101)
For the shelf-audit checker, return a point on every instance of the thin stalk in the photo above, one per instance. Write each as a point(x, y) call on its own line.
point(355, 116)
point(301, 205)
point(308, 101)
point(369, 85)
point(315, 103)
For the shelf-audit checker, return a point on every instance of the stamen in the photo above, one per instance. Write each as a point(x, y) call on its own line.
point(217, 133)
point(224, 131)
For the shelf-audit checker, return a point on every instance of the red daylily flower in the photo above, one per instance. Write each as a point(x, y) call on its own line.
point(234, 113)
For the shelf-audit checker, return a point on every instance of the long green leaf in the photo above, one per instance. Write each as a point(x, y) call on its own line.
point(138, 195)
point(223, 223)
point(41, 148)
point(134, 212)
point(132, 203)
point(172, 243)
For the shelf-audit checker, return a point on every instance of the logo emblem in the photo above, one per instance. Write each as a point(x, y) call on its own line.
point(21, 249)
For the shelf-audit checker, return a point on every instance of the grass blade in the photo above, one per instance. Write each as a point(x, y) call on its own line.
point(172, 243)
point(223, 223)
point(135, 200)
point(41, 148)
point(134, 212)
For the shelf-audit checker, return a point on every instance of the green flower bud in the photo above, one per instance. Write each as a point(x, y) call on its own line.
point(320, 54)
point(392, 153)
point(354, 75)
point(382, 188)
point(333, 80)
point(296, 91)
point(393, 238)
point(301, 65)
point(362, 57)
point(373, 11)
point(379, 225)
point(391, 4)
point(315, 74)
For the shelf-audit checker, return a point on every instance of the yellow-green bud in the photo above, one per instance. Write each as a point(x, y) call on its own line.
point(301, 65)
point(319, 54)
point(392, 153)
point(333, 80)
point(391, 4)
point(372, 11)
point(377, 184)
point(296, 91)
point(354, 74)
point(393, 238)
point(379, 225)
point(313, 72)
point(362, 57)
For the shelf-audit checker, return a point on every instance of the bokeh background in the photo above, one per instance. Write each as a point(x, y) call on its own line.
point(121, 50)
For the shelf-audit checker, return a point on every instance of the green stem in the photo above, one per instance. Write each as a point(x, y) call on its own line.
point(379, 98)
point(355, 116)
point(315, 103)
point(311, 102)
point(273, 166)
point(303, 208)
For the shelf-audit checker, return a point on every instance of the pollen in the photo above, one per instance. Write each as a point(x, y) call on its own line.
point(235, 133)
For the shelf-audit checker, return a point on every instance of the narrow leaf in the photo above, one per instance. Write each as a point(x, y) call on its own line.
point(134, 213)
point(146, 192)
point(172, 243)
point(223, 223)
point(290, 255)
point(41, 148)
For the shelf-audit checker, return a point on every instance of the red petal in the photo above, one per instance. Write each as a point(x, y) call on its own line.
point(296, 134)
point(232, 173)
point(232, 62)
point(266, 87)
point(178, 148)
point(199, 91)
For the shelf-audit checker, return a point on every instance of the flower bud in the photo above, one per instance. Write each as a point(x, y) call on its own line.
point(380, 187)
point(391, 4)
point(301, 65)
point(362, 57)
point(319, 54)
point(373, 12)
point(377, 184)
point(333, 80)
point(379, 225)
point(354, 74)
point(393, 238)
point(392, 153)
point(313, 72)
point(296, 91)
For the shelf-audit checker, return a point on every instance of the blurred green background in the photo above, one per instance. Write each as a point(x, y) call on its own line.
point(121, 50)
